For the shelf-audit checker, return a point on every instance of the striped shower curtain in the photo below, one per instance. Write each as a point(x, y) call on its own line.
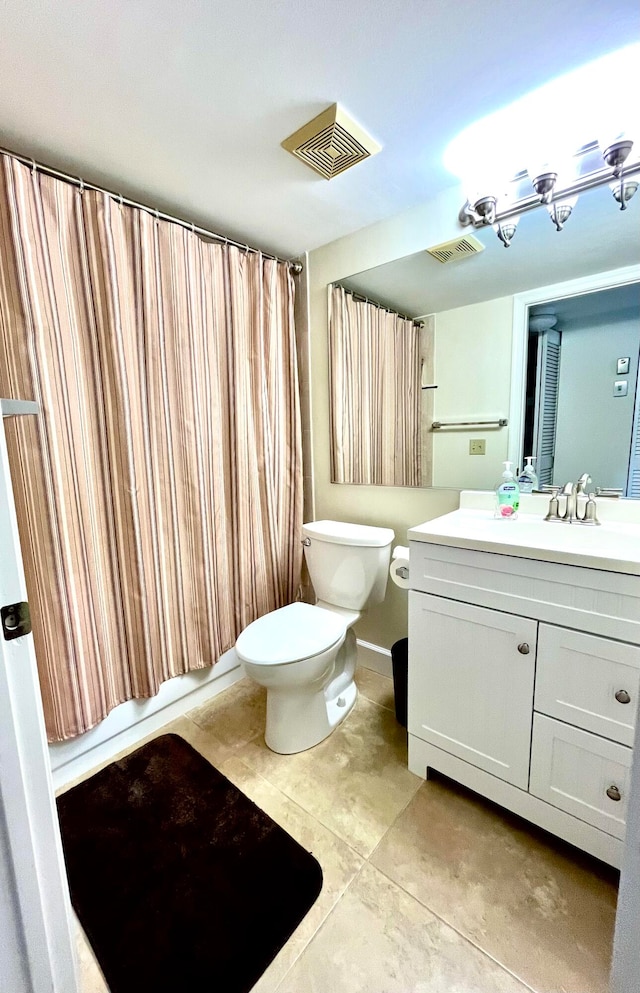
point(159, 492)
point(376, 359)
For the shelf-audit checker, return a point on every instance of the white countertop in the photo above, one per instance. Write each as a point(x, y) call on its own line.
point(612, 547)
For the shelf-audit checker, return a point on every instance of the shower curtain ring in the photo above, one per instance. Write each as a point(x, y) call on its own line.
point(33, 167)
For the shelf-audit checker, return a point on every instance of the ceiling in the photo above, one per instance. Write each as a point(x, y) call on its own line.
point(601, 307)
point(183, 105)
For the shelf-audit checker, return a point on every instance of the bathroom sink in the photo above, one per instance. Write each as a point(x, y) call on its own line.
point(612, 547)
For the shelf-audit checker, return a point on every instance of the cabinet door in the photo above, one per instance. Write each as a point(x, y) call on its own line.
point(471, 674)
point(581, 773)
point(588, 681)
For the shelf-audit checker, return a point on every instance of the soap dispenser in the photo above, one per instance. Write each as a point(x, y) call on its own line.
point(527, 480)
point(507, 495)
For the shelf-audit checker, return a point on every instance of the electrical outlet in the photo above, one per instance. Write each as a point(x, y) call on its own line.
point(477, 447)
point(620, 388)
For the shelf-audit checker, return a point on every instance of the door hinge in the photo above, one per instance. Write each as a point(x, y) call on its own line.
point(16, 620)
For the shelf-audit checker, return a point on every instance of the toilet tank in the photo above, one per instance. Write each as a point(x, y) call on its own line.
point(348, 563)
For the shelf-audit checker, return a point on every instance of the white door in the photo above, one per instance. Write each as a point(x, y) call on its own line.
point(35, 913)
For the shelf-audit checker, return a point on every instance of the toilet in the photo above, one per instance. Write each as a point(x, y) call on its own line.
point(305, 654)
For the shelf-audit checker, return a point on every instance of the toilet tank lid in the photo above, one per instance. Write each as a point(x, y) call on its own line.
point(348, 534)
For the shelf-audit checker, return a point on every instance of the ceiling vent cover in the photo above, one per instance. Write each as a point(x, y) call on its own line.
point(331, 143)
point(459, 248)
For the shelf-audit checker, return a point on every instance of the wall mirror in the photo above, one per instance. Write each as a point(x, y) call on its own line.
point(474, 350)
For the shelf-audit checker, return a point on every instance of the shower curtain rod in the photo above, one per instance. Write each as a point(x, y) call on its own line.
point(380, 306)
point(82, 185)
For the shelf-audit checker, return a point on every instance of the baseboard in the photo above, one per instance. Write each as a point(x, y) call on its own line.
point(134, 720)
point(374, 657)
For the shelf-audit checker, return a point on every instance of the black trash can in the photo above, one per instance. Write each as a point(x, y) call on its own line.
point(400, 662)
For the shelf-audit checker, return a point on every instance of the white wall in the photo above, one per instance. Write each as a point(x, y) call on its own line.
point(473, 375)
point(594, 427)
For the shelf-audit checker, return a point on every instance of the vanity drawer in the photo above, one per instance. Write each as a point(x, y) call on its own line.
point(573, 770)
point(588, 681)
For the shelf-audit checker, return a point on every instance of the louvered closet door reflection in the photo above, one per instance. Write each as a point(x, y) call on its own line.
point(633, 481)
point(547, 381)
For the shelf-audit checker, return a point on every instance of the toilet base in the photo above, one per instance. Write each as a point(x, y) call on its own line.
point(341, 705)
point(298, 721)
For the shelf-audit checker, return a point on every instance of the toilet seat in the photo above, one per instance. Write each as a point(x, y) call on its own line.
point(290, 634)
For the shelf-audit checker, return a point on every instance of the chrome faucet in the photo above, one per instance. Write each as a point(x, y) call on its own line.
point(571, 492)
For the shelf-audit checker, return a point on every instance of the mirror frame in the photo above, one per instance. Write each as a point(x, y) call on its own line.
point(521, 304)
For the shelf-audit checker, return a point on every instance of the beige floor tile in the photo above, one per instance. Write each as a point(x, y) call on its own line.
point(235, 716)
point(375, 687)
point(205, 742)
point(355, 782)
point(540, 908)
point(380, 940)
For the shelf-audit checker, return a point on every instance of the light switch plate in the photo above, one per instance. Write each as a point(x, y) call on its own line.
point(620, 388)
point(622, 367)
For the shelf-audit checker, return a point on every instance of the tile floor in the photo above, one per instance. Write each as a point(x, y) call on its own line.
point(427, 888)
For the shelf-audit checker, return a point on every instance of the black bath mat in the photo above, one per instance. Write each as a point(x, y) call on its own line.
point(180, 882)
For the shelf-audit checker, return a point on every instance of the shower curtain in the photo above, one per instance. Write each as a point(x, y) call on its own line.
point(375, 359)
point(159, 492)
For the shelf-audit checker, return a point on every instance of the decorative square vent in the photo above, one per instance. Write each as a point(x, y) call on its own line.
point(331, 143)
point(459, 248)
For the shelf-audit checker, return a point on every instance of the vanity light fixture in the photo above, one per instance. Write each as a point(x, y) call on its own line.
point(559, 197)
point(549, 146)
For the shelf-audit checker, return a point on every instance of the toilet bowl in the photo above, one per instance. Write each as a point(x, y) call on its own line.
point(305, 654)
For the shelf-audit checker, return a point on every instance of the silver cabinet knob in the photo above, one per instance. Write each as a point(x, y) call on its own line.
point(623, 697)
point(614, 793)
point(523, 648)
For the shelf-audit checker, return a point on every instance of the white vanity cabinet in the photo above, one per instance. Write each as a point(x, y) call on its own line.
point(523, 684)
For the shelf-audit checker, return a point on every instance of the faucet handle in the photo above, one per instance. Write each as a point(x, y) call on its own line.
point(590, 511)
point(553, 513)
point(583, 482)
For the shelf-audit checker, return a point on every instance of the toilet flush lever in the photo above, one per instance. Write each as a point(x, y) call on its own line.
point(306, 542)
